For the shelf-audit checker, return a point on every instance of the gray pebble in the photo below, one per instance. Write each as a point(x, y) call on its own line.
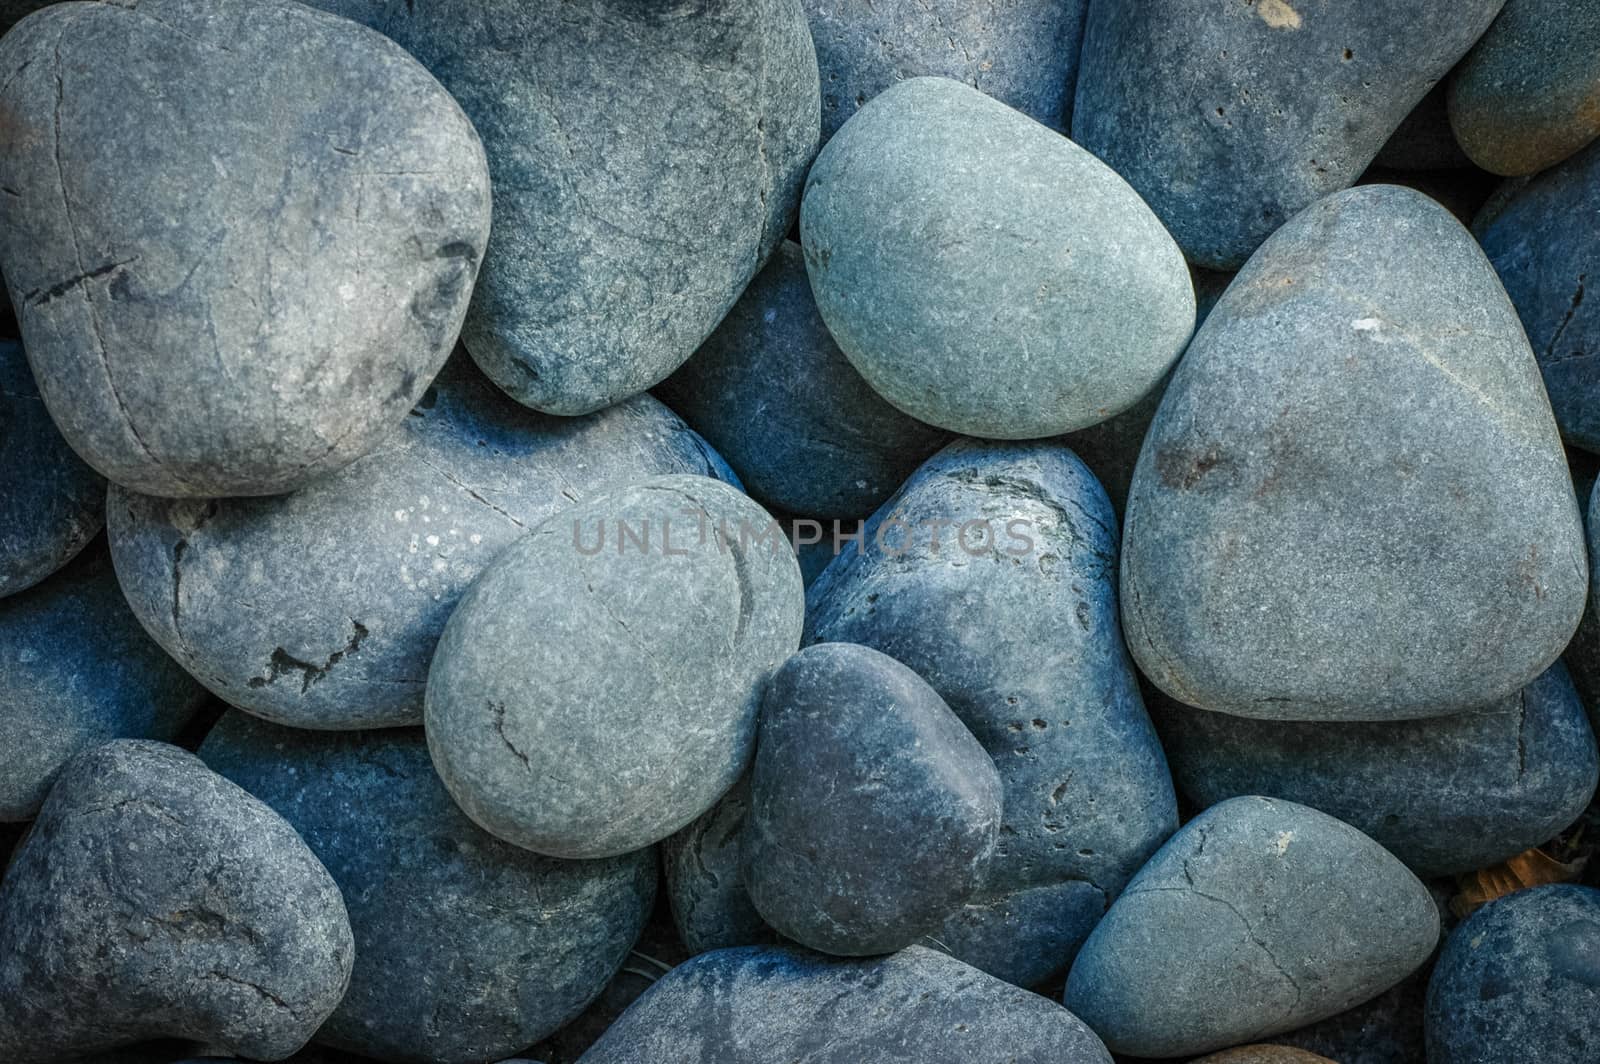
point(1231, 118)
point(711, 909)
point(597, 687)
point(937, 204)
point(1353, 504)
point(467, 948)
point(321, 609)
point(156, 899)
point(210, 313)
point(1258, 917)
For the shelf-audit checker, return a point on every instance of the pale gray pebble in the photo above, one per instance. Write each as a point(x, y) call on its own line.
point(596, 688)
point(321, 609)
point(76, 671)
point(1047, 689)
point(873, 811)
point(1231, 118)
point(1258, 917)
point(777, 398)
point(1353, 503)
point(209, 314)
point(156, 899)
point(757, 1005)
point(934, 205)
point(711, 909)
point(51, 503)
point(467, 947)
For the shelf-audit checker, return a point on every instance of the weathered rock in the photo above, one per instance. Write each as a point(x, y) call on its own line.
point(711, 909)
point(1446, 795)
point(77, 671)
point(1257, 917)
point(156, 899)
point(1023, 54)
point(646, 163)
point(873, 811)
point(597, 687)
point(768, 1004)
point(1520, 980)
point(51, 503)
point(467, 948)
point(1525, 97)
point(1231, 118)
point(250, 286)
point(320, 609)
point(1264, 1054)
point(1353, 504)
point(777, 398)
point(937, 204)
point(1048, 688)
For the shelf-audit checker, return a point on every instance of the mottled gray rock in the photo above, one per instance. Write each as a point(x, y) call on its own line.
point(467, 948)
point(711, 909)
point(1446, 795)
point(1024, 54)
point(1528, 94)
point(1423, 140)
point(1230, 118)
point(77, 671)
point(250, 286)
point(1353, 503)
point(1543, 237)
point(320, 609)
point(1520, 980)
point(156, 899)
point(1257, 917)
point(752, 1006)
point(597, 687)
point(873, 811)
point(775, 395)
point(51, 503)
point(1016, 629)
point(647, 160)
point(934, 206)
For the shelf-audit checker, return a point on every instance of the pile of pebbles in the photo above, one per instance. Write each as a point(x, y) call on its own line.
point(772, 530)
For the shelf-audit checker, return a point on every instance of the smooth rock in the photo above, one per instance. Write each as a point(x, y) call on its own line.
point(873, 811)
point(249, 287)
point(1231, 118)
point(156, 899)
point(1023, 54)
point(1016, 629)
point(1582, 655)
point(937, 204)
point(321, 609)
point(467, 948)
point(1264, 1054)
point(1353, 504)
point(752, 1006)
point(1526, 96)
point(1446, 795)
point(51, 503)
point(1257, 917)
point(711, 909)
point(646, 162)
point(76, 671)
point(596, 688)
point(1520, 980)
point(778, 399)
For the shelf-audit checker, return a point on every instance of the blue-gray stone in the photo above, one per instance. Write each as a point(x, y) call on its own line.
point(1014, 624)
point(1258, 917)
point(1520, 980)
point(51, 503)
point(467, 948)
point(320, 609)
point(873, 811)
point(1353, 503)
point(711, 909)
point(758, 1005)
point(778, 399)
point(1230, 118)
point(248, 287)
point(934, 206)
point(596, 689)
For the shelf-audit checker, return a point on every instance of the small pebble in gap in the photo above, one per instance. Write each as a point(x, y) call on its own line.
point(1264, 1054)
point(711, 909)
